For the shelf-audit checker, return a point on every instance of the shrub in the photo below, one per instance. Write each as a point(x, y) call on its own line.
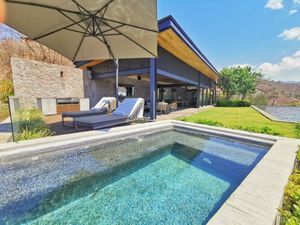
point(290, 211)
point(31, 125)
point(262, 130)
point(297, 128)
point(32, 134)
point(209, 122)
point(232, 103)
point(6, 89)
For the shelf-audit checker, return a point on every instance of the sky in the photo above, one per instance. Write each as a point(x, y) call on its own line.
point(264, 34)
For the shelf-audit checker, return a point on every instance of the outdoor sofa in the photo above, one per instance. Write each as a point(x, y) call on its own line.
point(131, 109)
point(105, 105)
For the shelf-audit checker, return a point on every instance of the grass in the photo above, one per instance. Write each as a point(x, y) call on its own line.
point(290, 211)
point(3, 111)
point(243, 118)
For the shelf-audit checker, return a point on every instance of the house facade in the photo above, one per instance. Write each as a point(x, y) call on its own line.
point(181, 74)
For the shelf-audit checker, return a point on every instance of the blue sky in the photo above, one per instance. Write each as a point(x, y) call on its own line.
point(261, 33)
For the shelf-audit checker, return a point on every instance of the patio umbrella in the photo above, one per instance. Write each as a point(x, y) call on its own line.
point(89, 29)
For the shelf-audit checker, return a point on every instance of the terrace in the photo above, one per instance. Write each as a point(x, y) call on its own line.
point(129, 159)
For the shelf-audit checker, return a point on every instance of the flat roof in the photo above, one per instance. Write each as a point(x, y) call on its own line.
point(174, 39)
point(168, 23)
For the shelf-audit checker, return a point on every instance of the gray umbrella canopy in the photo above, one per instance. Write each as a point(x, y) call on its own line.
point(89, 29)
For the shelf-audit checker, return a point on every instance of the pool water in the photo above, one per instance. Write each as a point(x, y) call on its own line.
point(170, 182)
point(285, 113)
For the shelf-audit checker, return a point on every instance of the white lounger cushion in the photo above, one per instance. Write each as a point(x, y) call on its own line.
point(105, 102)
point(130, 106)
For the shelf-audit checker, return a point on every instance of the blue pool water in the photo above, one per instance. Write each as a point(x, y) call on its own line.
point(285, 113)
point(171, 178)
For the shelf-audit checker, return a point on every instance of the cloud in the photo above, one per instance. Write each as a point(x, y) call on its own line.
point(287, 69)
point(297, 1)
point(291, 34)
point(242, 65)
point(293, 11)
point(275, 4)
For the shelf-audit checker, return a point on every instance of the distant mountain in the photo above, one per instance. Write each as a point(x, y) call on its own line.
point(281, 93)
point(291, 82)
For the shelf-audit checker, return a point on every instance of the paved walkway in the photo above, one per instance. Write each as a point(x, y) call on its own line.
point(181, 113)
point(5, 130)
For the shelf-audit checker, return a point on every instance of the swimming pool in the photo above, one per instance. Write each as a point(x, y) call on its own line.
point(167, 177)
point(284, 113)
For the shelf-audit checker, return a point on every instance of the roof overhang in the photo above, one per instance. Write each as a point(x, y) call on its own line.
point(173, 38)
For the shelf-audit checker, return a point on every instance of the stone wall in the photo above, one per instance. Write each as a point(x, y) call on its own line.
point(33, 79)
point(96, 89)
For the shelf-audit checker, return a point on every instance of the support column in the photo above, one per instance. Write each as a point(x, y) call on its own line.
point(117, 82)
point(206, 96)
point(198, 92)
point(202, 99)
point(215, 97)
point(153, 88)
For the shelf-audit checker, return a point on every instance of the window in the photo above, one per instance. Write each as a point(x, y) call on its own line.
point(125, 91)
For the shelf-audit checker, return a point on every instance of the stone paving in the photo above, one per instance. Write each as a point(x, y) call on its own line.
point(5, 130)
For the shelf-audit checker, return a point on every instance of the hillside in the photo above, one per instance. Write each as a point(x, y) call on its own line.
point(281, 93)
point(24, 48)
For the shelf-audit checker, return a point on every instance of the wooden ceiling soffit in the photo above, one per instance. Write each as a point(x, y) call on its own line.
point(170, 41)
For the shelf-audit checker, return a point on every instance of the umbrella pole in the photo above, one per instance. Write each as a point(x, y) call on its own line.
point(117, 81)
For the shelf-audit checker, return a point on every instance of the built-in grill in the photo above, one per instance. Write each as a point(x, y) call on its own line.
point(67, 105)
point(61, 101)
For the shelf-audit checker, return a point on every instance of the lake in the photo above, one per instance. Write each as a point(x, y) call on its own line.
point(286, 113)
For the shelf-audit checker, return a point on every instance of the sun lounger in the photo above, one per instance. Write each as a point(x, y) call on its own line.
point(129, 110)
point(105, 105)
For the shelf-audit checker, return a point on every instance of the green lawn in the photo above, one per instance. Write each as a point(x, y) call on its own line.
point(242, 118)
point(3, 111)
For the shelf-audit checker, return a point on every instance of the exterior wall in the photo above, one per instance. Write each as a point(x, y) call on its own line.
point(166, 61)
point(124, 64)
point(96, 89)
point(142, 87)
point(34, 80)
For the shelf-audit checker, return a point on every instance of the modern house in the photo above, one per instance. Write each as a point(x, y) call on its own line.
point(181, 73)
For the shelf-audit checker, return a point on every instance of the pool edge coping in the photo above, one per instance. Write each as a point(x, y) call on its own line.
point(242, 206)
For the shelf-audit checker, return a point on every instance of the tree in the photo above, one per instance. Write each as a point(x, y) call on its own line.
point(239, 80)
point(228, 83)
point(247, 80)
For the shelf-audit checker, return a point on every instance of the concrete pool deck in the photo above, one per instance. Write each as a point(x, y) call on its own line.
point(255, 201)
